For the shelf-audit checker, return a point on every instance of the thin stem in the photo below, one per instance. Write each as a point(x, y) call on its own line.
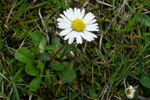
point(2, 58)
point(58, 51)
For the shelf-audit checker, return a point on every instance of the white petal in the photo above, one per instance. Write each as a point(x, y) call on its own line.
point(91, 22)
point(87, 34)
point(86, 37)
point(91, 34)
point(69, 35)
point(75, 13)
point(92, 27)
point(65, 18)
point(82, 14)
point(71, 39)
point(78, 13)
point(79, 39)
point(96, 24)
point(61, 20)
point(68, 15)
point(70, 11)
point(88, 17)
point(75, 33)
point(65, 32)
point(63, 25)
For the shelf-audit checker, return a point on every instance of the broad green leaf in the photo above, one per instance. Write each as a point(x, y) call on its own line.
point(40, 66)
point(69, 48)
point(23, 55)
point(51, 49)
point(56, 45)
point(67, 74)
point(44, 56)
point(92, 93)
point(34, 84)
point(145, 81)
point(56, 65)
point(49, 78)
point(145, 20)
point(39, 40)
point(31, 70)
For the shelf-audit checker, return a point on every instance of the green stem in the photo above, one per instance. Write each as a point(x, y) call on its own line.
point(58, 51)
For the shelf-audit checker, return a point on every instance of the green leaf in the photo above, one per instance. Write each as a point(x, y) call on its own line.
point(39, 40)
point(92, 93)
point(44, 56)
point(69, 48)
point(51, 49)
point(146, 34)
point(108, 45)
point(77, 0)
point(144, 20)
point(49, 78)
point(23, 55)
point(18, 79)
point(40, 66)
point(145, 81)
point(13, 79)
point(67, 74)
point(34, 84)
point(31, 70)
point(56, 45)
point(56, 65)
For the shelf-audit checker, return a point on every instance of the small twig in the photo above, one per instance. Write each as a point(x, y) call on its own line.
point(10, 13)
point(79, 90)
point(2, 87)
point(4, 77)
point(30, 97)
point(11, 91)
point(92, 76)
point(42, 19)
point(58, 51)
point(47, 37)
point(3, 97)
point(100, 41)
point(87, 96)
point(104, 3)
point(102, 93)
point(2, 58)
point(143, 98)
point(123, 5)
point(112, 93)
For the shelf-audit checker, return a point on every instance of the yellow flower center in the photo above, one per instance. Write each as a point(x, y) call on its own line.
point(78, 25)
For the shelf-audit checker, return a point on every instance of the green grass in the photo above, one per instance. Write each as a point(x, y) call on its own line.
point(100, 69)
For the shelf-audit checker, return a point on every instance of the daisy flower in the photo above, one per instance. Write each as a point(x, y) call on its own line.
point(130, 92)
point(76, 25)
